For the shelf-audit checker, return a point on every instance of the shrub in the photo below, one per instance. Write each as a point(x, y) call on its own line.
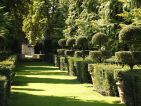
point(3, 94)
point(96, 56)
point(130, 35)
point(4, 55)
point(62, 43)
point(63, 64)
point(105, 78)
point(70, 42)
point(124, 57)
point(69, 53)
point(78, 54)
point(72, 70)
point(86, 53)
point(61, 52)
point(99, 39)
point(57, 61)
point(83, 75)
point(111, 60)
point(99, 56)
point(128, 57)
point(7, 68)
point(137, 57)
point(82, 42)
point(132, 87)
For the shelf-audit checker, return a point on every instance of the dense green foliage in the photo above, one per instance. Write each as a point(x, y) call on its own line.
point(132, 87)
point(78, 54)
point(99, 39)
point(79, 27)
point(131, 36)
point(69, 53)
point(61, 52)
point(105, 77)
point(70, 42)
point(128, 57)
point(62, 42)
point(7, 73)
point(82, 42)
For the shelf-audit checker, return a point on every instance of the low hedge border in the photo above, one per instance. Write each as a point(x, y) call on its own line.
point(7, 68)
point(132, 87)
point(104, 77)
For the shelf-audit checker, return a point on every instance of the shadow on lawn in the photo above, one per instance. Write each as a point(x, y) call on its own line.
point(34, 64)
point(23, 99)
point(41, 73)
point(23, 81)
point(36, 68)
point(27, 89)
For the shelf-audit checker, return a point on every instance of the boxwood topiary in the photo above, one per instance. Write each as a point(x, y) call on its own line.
point(128, 57)
point(69, 53)
point(62, 43)
point(132, 87)
point(105, 77)
point(99, 39)
point(82, 42)
point(96, 56)
point(99, 56)
point(78, 54)
point(130, 35)
point(61, 52)
point(70, 42)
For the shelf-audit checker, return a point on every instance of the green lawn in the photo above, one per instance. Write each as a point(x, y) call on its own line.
point(40, 84)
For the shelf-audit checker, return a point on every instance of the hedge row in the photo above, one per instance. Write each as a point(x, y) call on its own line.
point(132, 87)
point(72, 53)
point(75, 67)
point(7, 74)
point(82, 71)
point(130, 58)
point(105, 77)
point(4, 55)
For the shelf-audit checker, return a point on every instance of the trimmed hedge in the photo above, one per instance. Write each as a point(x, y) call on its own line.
point(83, 75)
point(78, 54)
point(3, 94)
point(69, 53)
point(99, 39)
point(72, 70)
point(63, 64)
point(132, 87)
point(104, 77)
point(70, 42)
point(61, 52)
point(57, 60)
point(130, 35)
point(62, 42)
point(82, 42)
point(7, 68)
point(128, 57)
point(99, 56)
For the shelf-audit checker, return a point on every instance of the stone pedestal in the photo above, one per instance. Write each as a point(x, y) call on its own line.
point(120, 85)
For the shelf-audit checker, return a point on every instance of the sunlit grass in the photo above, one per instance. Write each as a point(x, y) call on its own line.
point(43, 85)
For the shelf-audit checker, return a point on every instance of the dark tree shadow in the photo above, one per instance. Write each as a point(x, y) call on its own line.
point(23, 99)
point(34, 64)
point(23, 81)
point(27, 89)
point(38, 68)
point(41, 73)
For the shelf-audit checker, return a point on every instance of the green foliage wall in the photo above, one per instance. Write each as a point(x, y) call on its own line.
point(105, 77)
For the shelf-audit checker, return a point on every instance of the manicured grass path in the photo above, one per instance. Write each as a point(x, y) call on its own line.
point(40, 84)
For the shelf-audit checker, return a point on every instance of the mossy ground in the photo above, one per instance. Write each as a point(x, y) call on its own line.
point(41, 84)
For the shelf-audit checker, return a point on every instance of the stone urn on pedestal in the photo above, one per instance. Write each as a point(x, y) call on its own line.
point(120, 86)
